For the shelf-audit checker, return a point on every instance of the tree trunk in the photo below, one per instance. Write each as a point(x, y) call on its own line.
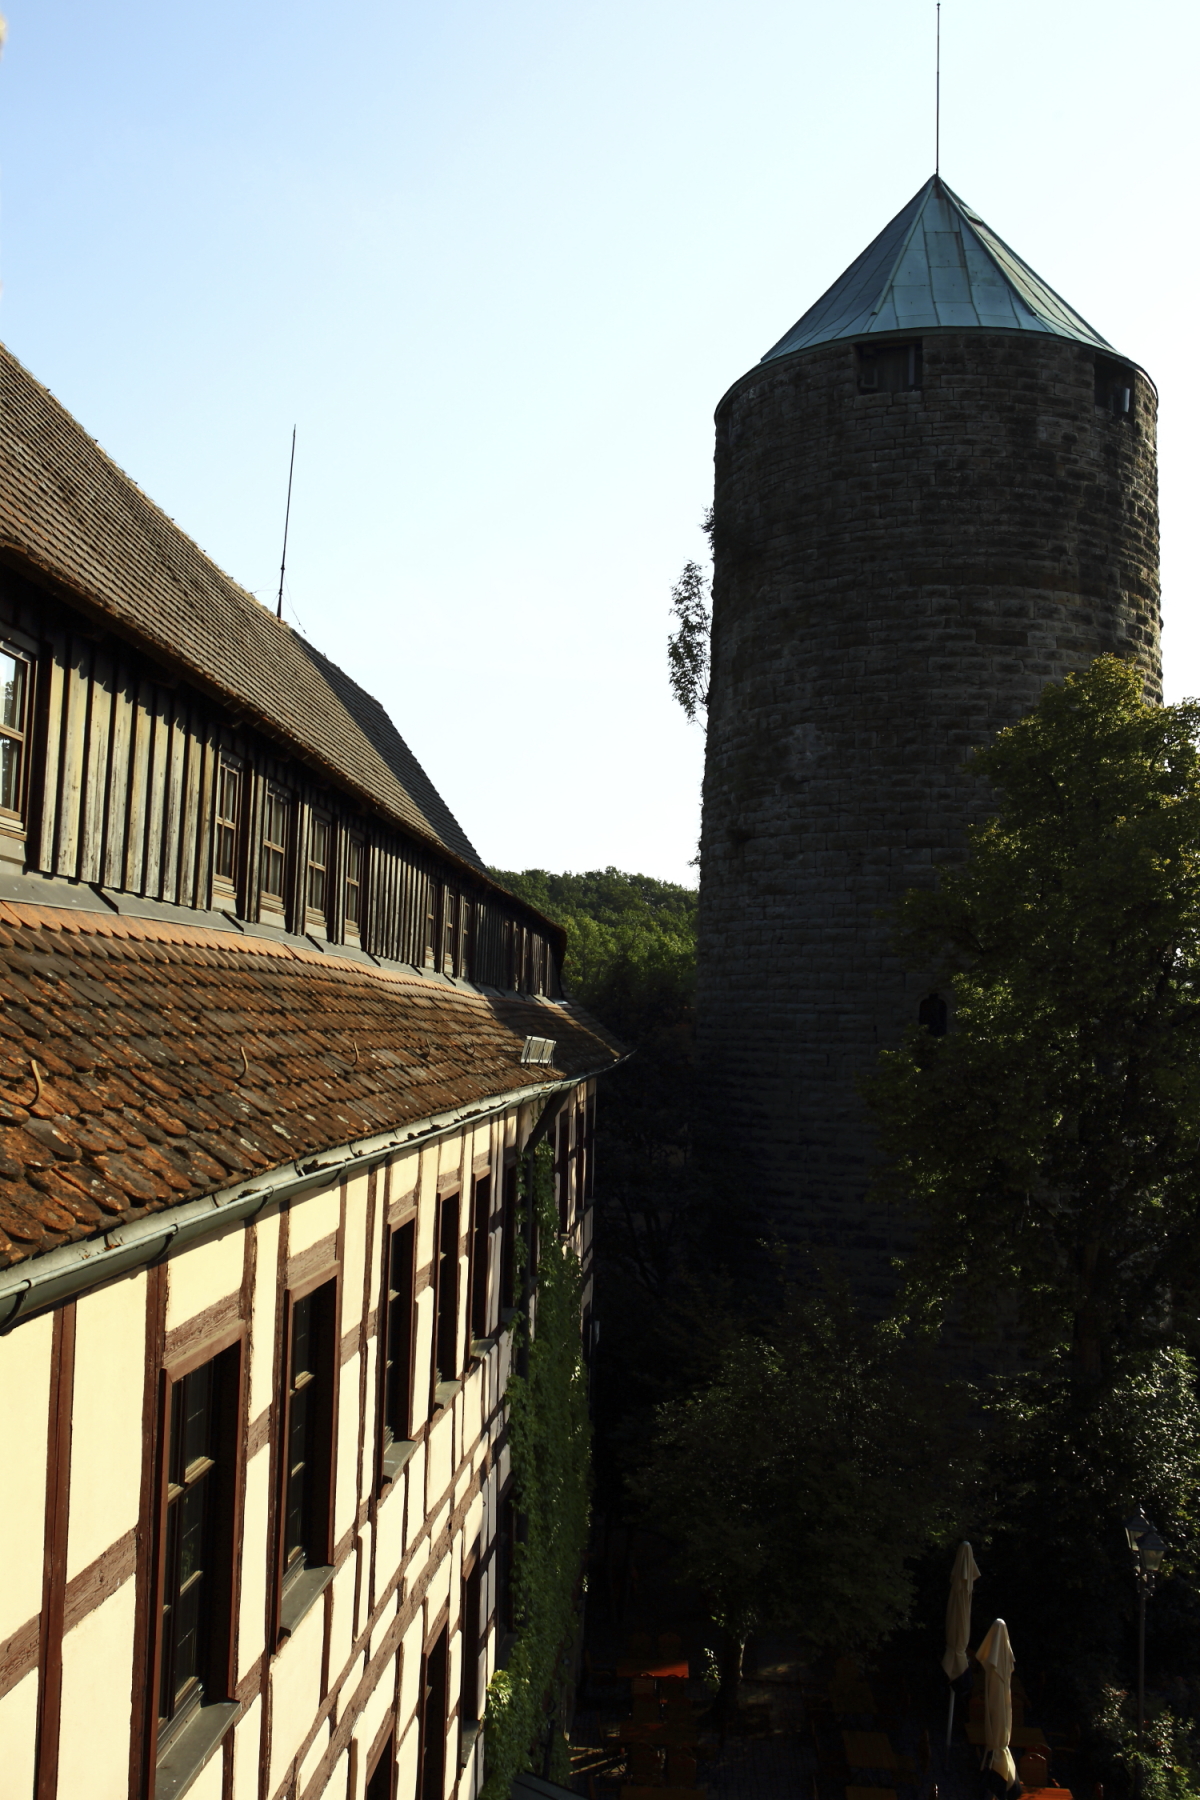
point(733, 1652)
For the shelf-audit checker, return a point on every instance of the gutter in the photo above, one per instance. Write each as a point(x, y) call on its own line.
point(42, 1282)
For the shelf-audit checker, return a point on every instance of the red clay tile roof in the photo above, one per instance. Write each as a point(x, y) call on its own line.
point(144, 1063)
point(68, 511)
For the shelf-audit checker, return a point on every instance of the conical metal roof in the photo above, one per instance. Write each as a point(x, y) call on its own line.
point(936, 266)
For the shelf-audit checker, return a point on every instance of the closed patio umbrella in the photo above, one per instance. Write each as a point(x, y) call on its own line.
point(995, 1653)
point(958, 1623)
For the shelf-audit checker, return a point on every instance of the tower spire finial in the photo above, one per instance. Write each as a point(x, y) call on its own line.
point(937, 96)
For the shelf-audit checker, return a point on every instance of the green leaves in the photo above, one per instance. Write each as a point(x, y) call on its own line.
point(1050, 1144)
point(800, 1481)
point(549, 1438)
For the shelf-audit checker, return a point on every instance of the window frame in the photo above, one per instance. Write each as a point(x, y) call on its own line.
point(445, 1294)
point(318, 915)
point(435, 1681)
point(510, 1210)
point(866, 364)
point(228, 828)
point(21, 735)
point(473, 1636)
point(479, 1258)
point(298, 1581)
point(172, 1738)
point(353, 844)
point(394, 1448)
point(268, 900)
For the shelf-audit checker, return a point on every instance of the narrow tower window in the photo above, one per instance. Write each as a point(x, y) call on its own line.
point(932, 1014)
point(889, 368)
point(1114, 387)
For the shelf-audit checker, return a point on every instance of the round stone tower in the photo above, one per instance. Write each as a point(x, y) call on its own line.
point(936, 494)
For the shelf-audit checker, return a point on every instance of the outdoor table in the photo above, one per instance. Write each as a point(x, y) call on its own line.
point(868, 1750)
point(629, 1668)
point(851, 1697)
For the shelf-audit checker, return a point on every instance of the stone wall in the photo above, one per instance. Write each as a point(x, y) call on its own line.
point(897, 576)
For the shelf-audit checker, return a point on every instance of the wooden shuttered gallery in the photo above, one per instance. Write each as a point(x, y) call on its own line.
point(120, 776)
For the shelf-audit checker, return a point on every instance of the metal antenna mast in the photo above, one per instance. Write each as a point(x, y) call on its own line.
point(286, 517)
point(937, 101)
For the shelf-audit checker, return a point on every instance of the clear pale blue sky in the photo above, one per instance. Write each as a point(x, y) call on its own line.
point(499, 263)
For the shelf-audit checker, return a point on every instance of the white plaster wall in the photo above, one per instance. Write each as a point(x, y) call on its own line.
point(440, 1442)
point(295, 1691)
point(406, 1777)
point(314, 1217)
point(106, 1419)
point(339, 1781)
point(24, 1433)
point(253, 1605)
point(415, 1510)
point(450, 1160)
point(246, 1745)
point(203, 1274)
point(93, 1749)
point(438, 1592)
point(341, 1636)
point(426, 1206)
point(345, 1503)
point(473, 1525)
point(354, 1251)
point(18, 1734)
point(390, 1525)
point(262, 1316)
point(208, 1783)
point(316, 1751)
point(410, 1672)
point(378, 1706)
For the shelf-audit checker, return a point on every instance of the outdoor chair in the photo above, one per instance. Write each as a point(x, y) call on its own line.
point(641, 1684)
point(645, 1710)
point(1033, 1771)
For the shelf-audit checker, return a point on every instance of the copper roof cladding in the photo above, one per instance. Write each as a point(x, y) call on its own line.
point(936, 266)
point(69, 512)
point(144, 1063)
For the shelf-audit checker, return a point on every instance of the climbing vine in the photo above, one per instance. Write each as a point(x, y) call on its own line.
point(549, 1439)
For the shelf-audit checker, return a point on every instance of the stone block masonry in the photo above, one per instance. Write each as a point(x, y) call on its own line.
point(897, 577)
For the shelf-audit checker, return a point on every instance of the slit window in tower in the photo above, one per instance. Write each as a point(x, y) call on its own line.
point(932, 1014)
point(1114, 387)
point(889, 368)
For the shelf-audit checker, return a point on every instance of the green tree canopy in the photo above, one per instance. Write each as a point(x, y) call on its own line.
point(1050, 1142)
point(802, 1479)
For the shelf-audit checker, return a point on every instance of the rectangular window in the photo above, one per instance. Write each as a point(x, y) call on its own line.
point(889, 368)
point(445, 1342)
point(589, 1150)
point(450, 942)
point(466, 939)
point(508, 1241)
point(469, 1712)
point(307, 1434)
point(276, 817)
point(197, 1554)
point(562, 1169)
point(506, 1545)
point(481, 1207)
point(433, 923)
point(398, 1318)
point(317, 883)
point(14, 693)
point(227, 825)
point(431, 1783)
point(381, 1782)
point(354, 886)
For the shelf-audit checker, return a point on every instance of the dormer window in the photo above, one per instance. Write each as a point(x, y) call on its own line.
point(276, 811)
point(1114, 387)
point(227, 825)
point(889, 368)
point(14, 686)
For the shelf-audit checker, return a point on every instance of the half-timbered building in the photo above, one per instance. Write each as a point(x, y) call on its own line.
point(272, 1045)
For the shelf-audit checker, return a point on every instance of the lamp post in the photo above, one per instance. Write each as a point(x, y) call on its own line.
point(1146, 1549)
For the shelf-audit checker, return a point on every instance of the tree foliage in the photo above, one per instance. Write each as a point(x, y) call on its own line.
point(802, 1479)
point(688, 647)
point(549, 1439)
point(1050, 1142)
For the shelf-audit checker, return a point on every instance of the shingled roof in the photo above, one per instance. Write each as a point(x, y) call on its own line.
point(69, 512)
point(146, 1063)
